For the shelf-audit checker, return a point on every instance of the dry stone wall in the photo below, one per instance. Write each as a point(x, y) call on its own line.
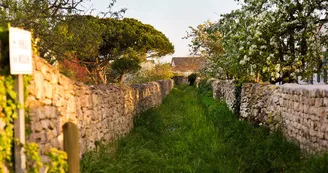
point(178, 80)
point(224, 90)
point(102, 113)
point(300, 110)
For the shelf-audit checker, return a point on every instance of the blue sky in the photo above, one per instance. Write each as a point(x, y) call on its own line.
point(172, 17)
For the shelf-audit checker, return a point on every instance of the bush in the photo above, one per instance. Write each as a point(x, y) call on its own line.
point(204, 87)
point(192, 78)
point(159, 72)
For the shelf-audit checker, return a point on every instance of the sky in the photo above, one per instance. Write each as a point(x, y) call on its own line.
point(172, 17)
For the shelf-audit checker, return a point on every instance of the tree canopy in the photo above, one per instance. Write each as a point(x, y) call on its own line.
point(129, 63)
point(62, 30)
point(43, 18)
point(131, 33)
point(273, 40)
point(119, 36)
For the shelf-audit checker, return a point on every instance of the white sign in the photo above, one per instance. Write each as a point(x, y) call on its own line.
point(20, 51)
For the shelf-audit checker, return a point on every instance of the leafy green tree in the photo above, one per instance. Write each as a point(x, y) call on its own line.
point(120, 36)
point(80, 39)
point(95, 42)
point(129, 63)
point(61, 29)
point(41, 17)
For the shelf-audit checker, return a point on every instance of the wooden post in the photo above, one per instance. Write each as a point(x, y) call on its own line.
point(19, 123)
point(71, 147)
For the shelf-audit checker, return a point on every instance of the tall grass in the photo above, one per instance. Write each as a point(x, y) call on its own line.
point(191, 132)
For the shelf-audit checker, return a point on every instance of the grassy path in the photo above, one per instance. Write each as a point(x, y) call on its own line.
point(191, 132)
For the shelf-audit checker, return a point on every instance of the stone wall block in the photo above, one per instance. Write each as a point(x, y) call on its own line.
point(39, 84)
point(48, 90)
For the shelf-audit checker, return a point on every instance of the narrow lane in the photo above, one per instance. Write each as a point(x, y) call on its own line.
point(191, 132)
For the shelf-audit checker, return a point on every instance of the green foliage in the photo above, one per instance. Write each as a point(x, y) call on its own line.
point(122, 35)
point(271, 40)
point(206, 41)
point(95, 42)
point(4, 47)
point(159, 72)
point(204, 87)
point(58, 161)
point(129, 63)
point(193, 132)
point(192, 78)
point(237, 102)
point(8, 112)
point(46, 19)
point(8, 106)
point(33, 158)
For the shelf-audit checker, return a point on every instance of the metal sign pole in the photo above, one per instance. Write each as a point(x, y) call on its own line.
point(20, 55)
point(19, 123)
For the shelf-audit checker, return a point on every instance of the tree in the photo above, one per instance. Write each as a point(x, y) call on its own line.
point(62, 27)
point(95, 42)
point(80, 38)
point(273, 40)
point(119, 36)
point(206, 42)
point(129, 63)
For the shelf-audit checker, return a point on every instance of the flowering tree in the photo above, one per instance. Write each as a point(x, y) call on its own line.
point(206, 42)
point(274, 40)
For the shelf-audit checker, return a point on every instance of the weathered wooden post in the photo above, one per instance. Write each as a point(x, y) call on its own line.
point(71, 147)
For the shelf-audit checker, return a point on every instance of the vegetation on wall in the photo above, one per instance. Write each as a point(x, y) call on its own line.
point(8, 112)
point(8, 106)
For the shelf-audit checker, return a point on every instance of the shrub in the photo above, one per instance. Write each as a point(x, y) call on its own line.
point(192, 78)
point(159, 72)
point(204, 87)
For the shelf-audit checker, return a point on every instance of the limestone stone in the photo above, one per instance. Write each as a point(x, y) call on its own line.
point(36, 127)
point(45, 124)
point(39, 84)
point(48, 90)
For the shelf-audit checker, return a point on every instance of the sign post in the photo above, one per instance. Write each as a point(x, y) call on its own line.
point(20, 54)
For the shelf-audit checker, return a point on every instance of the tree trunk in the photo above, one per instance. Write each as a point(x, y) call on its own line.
point(122, 79)
point(101, 77)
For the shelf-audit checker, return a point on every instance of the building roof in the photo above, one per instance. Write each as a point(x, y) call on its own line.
point(184, 64)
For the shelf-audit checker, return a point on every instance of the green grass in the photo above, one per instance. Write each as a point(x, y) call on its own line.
point(191, 132)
